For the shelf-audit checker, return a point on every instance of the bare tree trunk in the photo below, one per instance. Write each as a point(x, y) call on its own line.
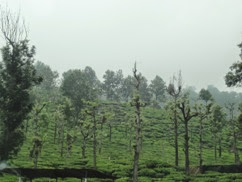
point(35, 159)
point(176, 140)
point(175, 92)
point(62, 143)
point(94, 142)
point(69, 140)
point(126, 131)
point(84, 148)
point(55, 132)
point(186, 137)
point(220, 148)
point(138, 128)
point(26, 126)
point(137, 147)
point(200, 144)
point(110, 133)
point(187, 116)
point(130, 140)
point(100, 140)
point(235, 150)
point(176, 134)
point(236, 154)
point(215, 148)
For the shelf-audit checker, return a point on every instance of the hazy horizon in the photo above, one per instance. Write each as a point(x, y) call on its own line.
point(199, 37)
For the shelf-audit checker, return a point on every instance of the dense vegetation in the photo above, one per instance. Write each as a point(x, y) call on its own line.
point(127, 126)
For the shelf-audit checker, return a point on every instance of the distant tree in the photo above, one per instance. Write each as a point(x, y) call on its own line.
point(91, 75)
point(158, 88)
point(191, 93)
point(144, 90)
point(112, 84)
point(49, 77)
point(127, 88)
point(224, 97)
point(93, 80)
point(205, 95)
point(79, 86)
point(174, 89)
point(187, 115)
point(234, 76)
point(17, 78)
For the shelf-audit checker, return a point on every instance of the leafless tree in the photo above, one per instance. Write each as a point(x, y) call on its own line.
point(12, 27)
point(174, 89)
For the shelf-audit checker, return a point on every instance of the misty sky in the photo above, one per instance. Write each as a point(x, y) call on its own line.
point(198, 37)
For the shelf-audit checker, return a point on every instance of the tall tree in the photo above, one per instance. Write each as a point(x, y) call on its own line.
point(101, 133)
point(205, 95)
point(216, 125)
point(91, 110)
point(144, 90)
point(86, 128)
point(174, 89)
point(127, 88)
point(204, 109)
point(40, 130)
point(49, 77)
point(17, 77)
point(112, 84)
point(187, 115)
point(158, 88)
point(234, 128)
point(79, 86)
point(136, 102)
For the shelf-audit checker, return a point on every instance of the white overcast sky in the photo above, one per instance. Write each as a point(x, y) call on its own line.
point(198, 37)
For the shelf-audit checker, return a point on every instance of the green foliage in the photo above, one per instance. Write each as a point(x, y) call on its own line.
point(127, 88)
point(144, 90)
point(147, 172)
point(217, 119)
point(17, 77)
point(58, 121)
point(158, 88)
point(112, 85)
point(224, 97)
point(49, 77)
point(233, 77)
point(79, 86)
point(205, 95)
